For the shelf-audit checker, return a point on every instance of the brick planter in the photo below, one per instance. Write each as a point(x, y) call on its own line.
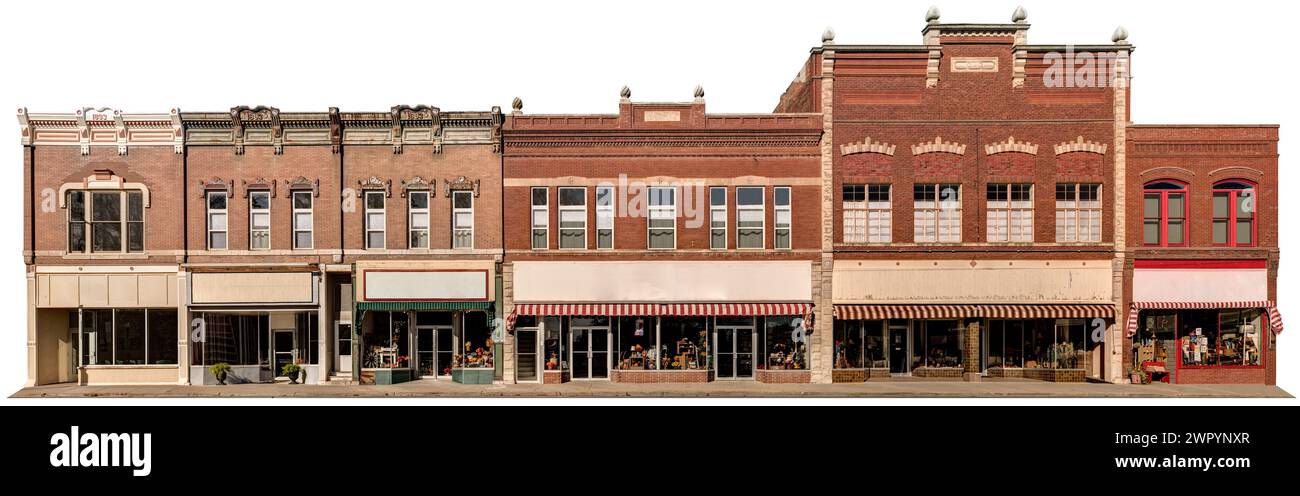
point(783, 376)
point(659, 376)
point(555, 376)
point(938, 372)
point(859, 375)
point(1055, 375)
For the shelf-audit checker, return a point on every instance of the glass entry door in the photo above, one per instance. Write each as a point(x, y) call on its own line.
point(590, 353)
point(433, 350)
point(283, 344)
point(898, 348)
point(526, 355)
point(735, 352)
point(342, 347)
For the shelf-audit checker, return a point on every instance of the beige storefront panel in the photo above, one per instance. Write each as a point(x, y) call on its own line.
point(965, 281)
point(440, 280)
point(613, 282)
point(209, 288)
point(117, 290)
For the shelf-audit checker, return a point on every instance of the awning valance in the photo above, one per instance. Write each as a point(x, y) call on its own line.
point(398, 306)
point(879, 312)
point(670, 309)
point(1274, 317)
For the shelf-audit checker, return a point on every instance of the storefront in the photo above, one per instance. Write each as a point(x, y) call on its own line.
point(107, 325)
point(1057, 338)
point(661, 321)
point(431, 321)
point(258, 323)
point(1195, 322)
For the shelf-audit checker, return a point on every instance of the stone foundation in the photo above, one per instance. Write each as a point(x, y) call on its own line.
point(660, 376)
point(783, 376)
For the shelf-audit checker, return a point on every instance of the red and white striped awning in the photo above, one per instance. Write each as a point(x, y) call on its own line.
point(588, 309)
point(671, 309)
point(1274, 317)
point(878, 312)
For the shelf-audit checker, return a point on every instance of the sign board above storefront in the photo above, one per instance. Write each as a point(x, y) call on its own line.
point(967, 281)
point(614, 282)
point(261, 288)
point(138, 289)
point(1199, 280)
point(427, 284)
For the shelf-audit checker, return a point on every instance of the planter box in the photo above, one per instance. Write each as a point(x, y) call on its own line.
point(384, 377)
point(658, 376)
point(938, 372)
point(472, 376)
point(859, 375)
point(555, 377)
point(783, 376)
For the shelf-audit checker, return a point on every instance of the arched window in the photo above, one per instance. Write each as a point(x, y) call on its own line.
point(1234, 213)
point(1164, 214)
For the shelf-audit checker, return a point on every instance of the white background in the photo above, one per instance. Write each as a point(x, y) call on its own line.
point(1196, 62)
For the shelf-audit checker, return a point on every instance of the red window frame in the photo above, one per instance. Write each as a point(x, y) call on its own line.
point(1164, 210)
point(1231, 219)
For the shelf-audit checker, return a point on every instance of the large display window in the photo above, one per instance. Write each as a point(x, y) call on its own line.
point(635, 342)
point(786, 344)
point(860, 344)
point(125, 336)
point(937, 343)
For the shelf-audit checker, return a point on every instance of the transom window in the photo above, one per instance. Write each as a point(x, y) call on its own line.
point(604, 217)
point(259, 220)
point(541, 218)
point(462, 219)
point(1164, 214)
point(376, 219)
point(573, 218)
point(937, 213)
point(1010, 213)
point(417, 204)
point(217, 220)
point(1078, 213)
point(749, 217)
point(302, 220)
point(1234, 213)
point(662, 225)
point(105, 221)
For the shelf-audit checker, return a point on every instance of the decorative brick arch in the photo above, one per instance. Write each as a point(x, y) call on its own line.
point(102, 180)
point(1236, 170)
point(1079, 145)
point(867, 146)
point(1011, 146)
point(938, 146)
point(1167, 172)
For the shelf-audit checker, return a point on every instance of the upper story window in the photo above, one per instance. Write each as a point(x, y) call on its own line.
point(662, 224)
point(1010, 213)
point(302, 220)
point(718, 218)
point(259, 220)
point(750, 217)
point(375, 219)
point(604, 217)
point(417, 205)
point(462, 219)
point(573, 218)
point(868, 216)
point(937, 213)
point(781, 218)
point(105, 221)
point(217, 220)
point(1164, 214)
point(1078, 213)
point(541, 218)
point(1234, 213)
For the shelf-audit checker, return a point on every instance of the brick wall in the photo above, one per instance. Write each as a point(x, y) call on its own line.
point(659, 376)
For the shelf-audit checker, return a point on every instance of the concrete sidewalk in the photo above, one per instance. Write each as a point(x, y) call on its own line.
point(720, 389)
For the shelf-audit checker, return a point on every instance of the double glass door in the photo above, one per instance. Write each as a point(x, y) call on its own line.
point(433, 350)
point(590, 359)
point(735, 352)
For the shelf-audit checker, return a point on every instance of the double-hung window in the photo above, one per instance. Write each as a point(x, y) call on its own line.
point(1164, 214)
point(937, 213)
point(541, 216)
point(604, 217)
point(1078, 213)
point(217, 217)
point(1234, 213)
point(417, 204)
point(462, 219)
point(376, 220)
point(105, 221)
point(573, 218)
point(854, 197)
point(749, 217)
point(781, 218)
point(880, 225)
point(302, 220)
point(662, 224)
point(718, 218)
point(259, 220)
point(1010, 213)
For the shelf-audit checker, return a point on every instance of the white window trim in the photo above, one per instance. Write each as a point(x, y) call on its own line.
point(87, 225)
point(776, 209)
point(609, 209)
point(224, 212)
point(1078, 208)
point(383, 229)
point(725, 221)
point(571, 208)
point(1003, 214)
point(455, 227)
point(545, 209)
point(410, 220)
point(293, 204)
point(650, 215)
point(252, 230)
point(761, 207)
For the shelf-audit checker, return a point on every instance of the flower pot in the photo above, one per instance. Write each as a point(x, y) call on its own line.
point(221, 378)
point(293, 377)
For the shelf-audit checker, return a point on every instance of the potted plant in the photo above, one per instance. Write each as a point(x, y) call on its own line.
point(1137, 376)
point(292, 370)
point(220, 371)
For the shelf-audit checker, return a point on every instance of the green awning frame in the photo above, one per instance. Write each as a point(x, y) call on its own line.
point(397, 306)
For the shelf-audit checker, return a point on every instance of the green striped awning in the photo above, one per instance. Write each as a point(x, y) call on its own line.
point(423, 305)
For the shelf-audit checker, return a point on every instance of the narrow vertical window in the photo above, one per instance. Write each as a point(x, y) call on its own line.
point(541, 218)
point(462, 219)
point(750, 221)
point(259, 220)
point(880, 218)
point(217, 220)
point(302, 220)
point(662, 225)
point(134, 221)
point(854, 197)
point(718, 218)
point(604, 218)
point(781, 218)
point(573, 218)
point(376, 220)
point(417, 205)
point(1234, 214)
point(76, 221)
